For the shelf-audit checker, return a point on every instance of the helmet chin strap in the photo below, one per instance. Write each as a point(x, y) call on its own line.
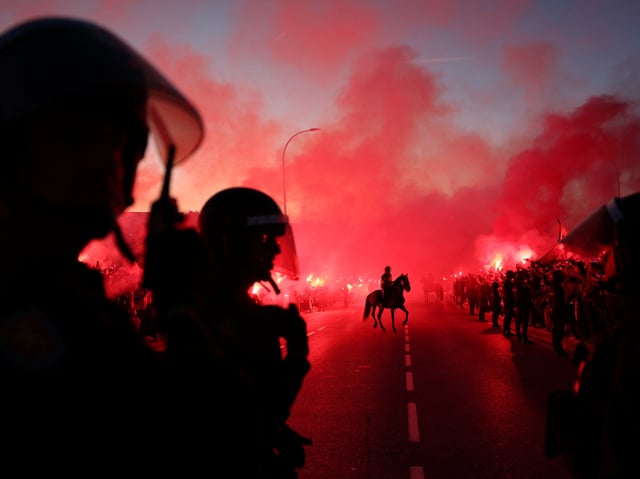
point(273, 285)
point(122, 244)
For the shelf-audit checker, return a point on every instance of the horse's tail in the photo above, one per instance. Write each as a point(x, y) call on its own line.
point(367, 308)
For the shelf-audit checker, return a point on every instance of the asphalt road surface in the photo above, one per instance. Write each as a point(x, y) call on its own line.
point(446, 396)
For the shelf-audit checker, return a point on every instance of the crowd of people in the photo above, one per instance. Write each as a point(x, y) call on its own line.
point(567, 298)
point(594, 295)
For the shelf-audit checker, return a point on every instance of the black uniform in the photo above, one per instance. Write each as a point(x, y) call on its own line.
point(78, 384)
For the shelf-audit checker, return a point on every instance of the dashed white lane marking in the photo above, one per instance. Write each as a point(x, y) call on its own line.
point(416, 472)
point(412, 415)
point(409, 380)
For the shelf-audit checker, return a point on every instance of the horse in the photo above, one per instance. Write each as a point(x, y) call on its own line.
point(393, 301)
point(436, 289)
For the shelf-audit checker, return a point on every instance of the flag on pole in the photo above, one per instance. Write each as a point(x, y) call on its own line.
point(562, 231)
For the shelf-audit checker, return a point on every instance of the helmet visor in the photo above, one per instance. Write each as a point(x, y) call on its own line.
point(286, 263)
point(172, 119)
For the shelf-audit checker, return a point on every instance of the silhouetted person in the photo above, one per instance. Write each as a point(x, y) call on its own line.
point(509, 302)
point(524, 305)
point(594, 423)
point(559, 312)
point(74, 123)
point(386, 281)
point(484, 299)
point(572, 286)
point(593, 300)
point(496, 304)
point(460, 290)
point(245, 235)
point(473, 293)
point(538, 297)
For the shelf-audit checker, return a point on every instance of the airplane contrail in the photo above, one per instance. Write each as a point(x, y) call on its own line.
point(442, 59)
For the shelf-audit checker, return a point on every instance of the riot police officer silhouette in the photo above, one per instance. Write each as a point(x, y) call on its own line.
point(76, 107)
point(246, 238)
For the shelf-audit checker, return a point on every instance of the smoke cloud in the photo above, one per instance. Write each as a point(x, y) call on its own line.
point(409, 168)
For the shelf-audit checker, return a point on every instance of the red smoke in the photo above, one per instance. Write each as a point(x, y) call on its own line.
point(392, 177)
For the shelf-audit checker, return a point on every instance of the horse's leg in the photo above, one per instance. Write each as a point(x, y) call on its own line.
point(393, 319)
point(406, 315)
point(380, 310)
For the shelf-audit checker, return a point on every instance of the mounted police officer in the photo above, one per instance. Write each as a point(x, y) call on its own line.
point(78, 383)
point(386, 281)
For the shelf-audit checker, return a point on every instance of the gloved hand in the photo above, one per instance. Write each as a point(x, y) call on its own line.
point(294, 330)
point(290, 447)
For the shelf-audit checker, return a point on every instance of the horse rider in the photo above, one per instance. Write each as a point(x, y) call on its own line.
point(386, 280)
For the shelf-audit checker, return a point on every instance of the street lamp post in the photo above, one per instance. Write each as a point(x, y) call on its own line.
point(284, 150)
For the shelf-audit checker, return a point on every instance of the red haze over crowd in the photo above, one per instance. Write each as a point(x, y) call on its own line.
point(409, 168)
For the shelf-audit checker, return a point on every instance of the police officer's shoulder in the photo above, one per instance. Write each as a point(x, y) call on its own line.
point(276, 311)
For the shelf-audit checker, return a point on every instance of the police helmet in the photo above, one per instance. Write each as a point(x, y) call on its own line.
point(50, 60)
point(387, 269)
point(65, 77)
point(237, 214)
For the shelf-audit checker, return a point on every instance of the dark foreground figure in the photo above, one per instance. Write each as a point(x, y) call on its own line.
point(247, 360)
point(594, 425)
point(81, 394)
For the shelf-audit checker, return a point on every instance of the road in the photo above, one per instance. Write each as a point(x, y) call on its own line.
point(446, 397)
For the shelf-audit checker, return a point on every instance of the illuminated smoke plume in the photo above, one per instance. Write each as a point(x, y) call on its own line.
point(400, 173)
point(394, 182)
